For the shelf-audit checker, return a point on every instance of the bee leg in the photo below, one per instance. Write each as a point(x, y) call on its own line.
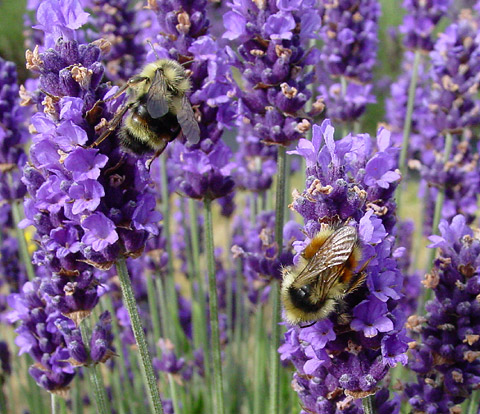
point(132, 81)
point(112, 126)
point(53, 97)
point(156, 155)
point(308, 326)
point(116, 166)
point(357, 283)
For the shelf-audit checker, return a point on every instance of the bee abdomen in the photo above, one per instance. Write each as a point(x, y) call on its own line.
point(134, 143)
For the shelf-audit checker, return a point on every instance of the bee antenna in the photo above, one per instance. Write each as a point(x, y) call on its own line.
point(154, 51)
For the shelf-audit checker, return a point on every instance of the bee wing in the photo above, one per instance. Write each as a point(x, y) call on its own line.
point(332, 254)
point(186, 119)
point(157, 105)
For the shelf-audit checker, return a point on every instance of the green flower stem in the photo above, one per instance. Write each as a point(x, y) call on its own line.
point(170, 290)
point(53, 404)
point(199, 330)
point(34, 394)
point(166, 332)
point(438, 211)
point(474, 402)
point(241, 350)
point(213, 307)
point(119, 395)
point(77, 396)
point(146, 363)
point(124, 378)
point(153, 308)
point(279, 219)
point(63, 406)
point(368, 404)
point(24, 254)
point(407, 127)
point(3, 401)
point(96, 381)
point(259, 378)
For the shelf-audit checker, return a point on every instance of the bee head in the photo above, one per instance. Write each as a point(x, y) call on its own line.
point(302, 298)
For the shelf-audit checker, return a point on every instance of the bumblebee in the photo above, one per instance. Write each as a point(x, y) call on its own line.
point(325, 274)
point(158, 109)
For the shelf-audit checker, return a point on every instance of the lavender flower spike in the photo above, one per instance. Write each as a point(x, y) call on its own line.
point(350, 182)
point(420, 21)
point(446, 359)
point(90, 207)
point(349, 32)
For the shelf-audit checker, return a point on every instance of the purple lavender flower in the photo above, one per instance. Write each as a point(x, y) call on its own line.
point(60, 19)
point(446, 359)
point(346, 182)
point(101, 341)
point(168, 362)
point(116, 22)
point(420, 21)
point(455, 76)
point(38, 334)
point(272, 38)
point(13, 135)
point(349, 32)
point(101, 198)
point(89, 206)
point(454, 109)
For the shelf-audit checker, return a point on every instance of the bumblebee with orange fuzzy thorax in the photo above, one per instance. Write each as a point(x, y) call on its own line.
point(324, 276)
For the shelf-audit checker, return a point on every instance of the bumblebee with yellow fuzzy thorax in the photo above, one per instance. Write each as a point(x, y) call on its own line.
point(325, 274)
point(158, 109)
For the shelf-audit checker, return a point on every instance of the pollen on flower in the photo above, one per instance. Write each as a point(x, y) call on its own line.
point(82, 75)
point(289, 91)
point(33, 60)
point(184, 24)
point(283, 52)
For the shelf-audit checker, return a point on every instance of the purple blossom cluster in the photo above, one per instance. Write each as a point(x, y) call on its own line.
point(273, 56)
point(350, 42)
point(454, 109)
point(271, 39)
point(13, 135)
point(89, 206)
point(253, 65)
point(420, 21)
point(202, 171)
point(52, 339)
point(350, 182)
point(117, 22)
point(445, 357)
point(455, 76)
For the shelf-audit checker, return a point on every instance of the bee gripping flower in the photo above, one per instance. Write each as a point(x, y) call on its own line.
point(350, 354)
